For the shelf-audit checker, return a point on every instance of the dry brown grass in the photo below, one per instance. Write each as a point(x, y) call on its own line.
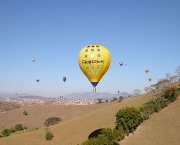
point(7, 106)
point(38, 114)
point(71, 131)
point(80, 121)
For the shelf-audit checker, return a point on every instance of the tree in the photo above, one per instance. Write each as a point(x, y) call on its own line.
point(99, 100)
point(128, 119)
point(108, 136)
point(114, 98)
point(52, 121)
point(168, 75)
point(137, 92)
point(49, 135)
point(25, 112)
point(19, 127)
point(6, 132)
point(121, 98)
point(174, 78)
point(177, 71)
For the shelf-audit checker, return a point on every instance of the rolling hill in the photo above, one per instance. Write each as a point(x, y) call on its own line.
point(79, 123)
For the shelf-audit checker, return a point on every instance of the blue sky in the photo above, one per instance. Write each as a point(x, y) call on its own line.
point(142, 33)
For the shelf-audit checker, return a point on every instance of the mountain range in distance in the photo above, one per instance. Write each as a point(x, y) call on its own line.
point(85, 95)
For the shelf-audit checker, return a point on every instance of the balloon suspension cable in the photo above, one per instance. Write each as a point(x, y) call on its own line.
point(94, 89)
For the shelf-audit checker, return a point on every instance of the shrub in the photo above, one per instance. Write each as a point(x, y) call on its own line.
point(128, 119)
point(6, 132)
point(49, 135)
point(108, 137)
point(171, 94)
point(52, 121)
point(12, 130)
point(25, 113)
point(99, 100)
point(114, 98)
point(19, 127)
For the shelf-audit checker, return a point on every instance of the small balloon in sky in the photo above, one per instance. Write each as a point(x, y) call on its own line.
point(146, 70)
point(146, 88)
point(94, 61)
point(64, 79)
point(120, 63)
point(33, 59)
point(149, 79)
point(37, 80)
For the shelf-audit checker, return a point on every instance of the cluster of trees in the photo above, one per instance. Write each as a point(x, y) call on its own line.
point(114, 99)
point(129, 118)
point(160, 100)
point(52, 121)
point(7, 132)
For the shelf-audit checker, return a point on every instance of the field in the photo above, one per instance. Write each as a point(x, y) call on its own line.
point(80, 121)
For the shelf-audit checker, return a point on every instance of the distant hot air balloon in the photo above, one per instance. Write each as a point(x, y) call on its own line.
point(33, 59)
point(149, 79)
point(64, 79)
point(146, 88)
point(37, 80)
point(121, 63)
point(118, 92)
point(146, 70)
point(94, 61)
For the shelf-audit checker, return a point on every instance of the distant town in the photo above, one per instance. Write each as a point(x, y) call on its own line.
point(54, 101)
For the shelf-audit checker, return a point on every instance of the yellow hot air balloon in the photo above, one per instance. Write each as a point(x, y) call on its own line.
point(94, 61)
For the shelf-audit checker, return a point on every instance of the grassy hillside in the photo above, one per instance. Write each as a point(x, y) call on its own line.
point(7, 106)
point(162, 128)
point(77, 129)
point(38, 114)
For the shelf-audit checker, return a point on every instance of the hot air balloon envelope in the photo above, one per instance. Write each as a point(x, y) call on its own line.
point(64, 79)
point(146, 70)
point(121, 63)
point(146, 88)
point(33, 59)
point(149, 79)
point(94, 61)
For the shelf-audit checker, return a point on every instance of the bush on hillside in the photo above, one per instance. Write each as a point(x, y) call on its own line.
point(49, 135)
point(108, 136)
point(12, 130)
point(171, 94)
point(128, 119)
point(52, 121)
point(99, 100)
point(25, 113)
point(6, 132)
point(157, 104)
point(19, 127)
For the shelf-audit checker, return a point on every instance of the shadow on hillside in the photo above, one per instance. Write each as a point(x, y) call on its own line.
point(95, 133)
